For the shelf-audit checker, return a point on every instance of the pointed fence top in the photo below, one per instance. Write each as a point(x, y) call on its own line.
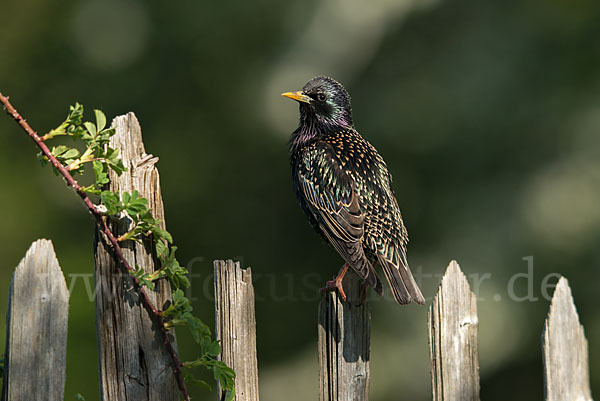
point(39, 273)
point(453, 339)
point(565, 350)
point(129, 140)
point(563, 305)
point(454, 275)
point(36, 334)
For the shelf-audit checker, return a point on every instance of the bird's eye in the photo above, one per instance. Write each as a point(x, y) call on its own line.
point(321, 97)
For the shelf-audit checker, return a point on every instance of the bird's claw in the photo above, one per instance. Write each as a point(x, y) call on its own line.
point(333, 285)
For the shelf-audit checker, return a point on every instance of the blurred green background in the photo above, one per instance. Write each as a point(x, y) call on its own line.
point(487, 113)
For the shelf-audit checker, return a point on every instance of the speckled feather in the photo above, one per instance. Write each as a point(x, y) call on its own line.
point(344, 187)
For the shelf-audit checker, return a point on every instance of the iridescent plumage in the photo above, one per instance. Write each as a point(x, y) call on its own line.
point(344, 187)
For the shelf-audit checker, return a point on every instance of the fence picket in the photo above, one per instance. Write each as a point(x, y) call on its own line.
point(565, 350)
point(236, 326)
point(453, 339)
point(133, 363)
point(344, 340)
point(36, 339)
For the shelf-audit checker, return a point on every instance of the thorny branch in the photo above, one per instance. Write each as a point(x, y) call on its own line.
point(103, 227)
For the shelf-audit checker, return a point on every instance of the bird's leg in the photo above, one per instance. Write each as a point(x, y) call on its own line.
point(336, 283)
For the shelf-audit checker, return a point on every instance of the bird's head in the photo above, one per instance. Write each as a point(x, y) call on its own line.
point(325, 102)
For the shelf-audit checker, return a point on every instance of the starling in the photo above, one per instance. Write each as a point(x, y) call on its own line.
point(345, 189)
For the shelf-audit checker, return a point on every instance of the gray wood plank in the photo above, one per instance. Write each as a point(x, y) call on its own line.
point(134, 364)
point(236, 326)
point(344, 339)
point(565, 350)
point(36, 340)
point(453, 339)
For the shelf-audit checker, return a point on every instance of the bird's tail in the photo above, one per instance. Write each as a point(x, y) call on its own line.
point(403, 285)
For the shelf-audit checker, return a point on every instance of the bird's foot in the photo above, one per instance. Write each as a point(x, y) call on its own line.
point(333, 285)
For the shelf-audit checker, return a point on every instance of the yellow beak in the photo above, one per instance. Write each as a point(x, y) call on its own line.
point(298, 96)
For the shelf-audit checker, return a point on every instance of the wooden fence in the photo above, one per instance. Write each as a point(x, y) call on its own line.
point(132, 367)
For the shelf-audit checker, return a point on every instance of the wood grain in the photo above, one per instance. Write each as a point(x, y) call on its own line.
point(565, 350)
point(236, 326)
point(36, 340)
point(453, 327)
point(344, 339)
point(133, 363)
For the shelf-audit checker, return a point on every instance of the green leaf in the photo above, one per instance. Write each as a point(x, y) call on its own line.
point(147, 282)
point(111, 201)
point(144, 278)
point(159, 233)
point(83, 134)
point(70, 154)
point(226, 375)
point(179, 305)
point(59, 150)
point(71, 126)
point(173, 270)
point(136, 207)
point(184, 281)
point(91, 128)
point(217, 373)
point(117, 166)
point(79, 397)
point(104, 135)
point(161, 249)
point(213, 348)
point(100, 120)
point(197, 328)
point(230, 395)
point(100, 173)
point(197, 382)
point(181, 311)
point(75, 114)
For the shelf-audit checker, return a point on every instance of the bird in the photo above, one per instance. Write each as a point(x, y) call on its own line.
point(344, 187)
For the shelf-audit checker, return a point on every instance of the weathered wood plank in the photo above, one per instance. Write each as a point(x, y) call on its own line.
point(344, 341)
point(133, 363)
point(36, 340)
point(236, 326)
point(565, 350)
point(453, 339)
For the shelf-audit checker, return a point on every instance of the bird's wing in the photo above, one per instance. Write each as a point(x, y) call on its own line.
point(386, 234)
point(331, 198)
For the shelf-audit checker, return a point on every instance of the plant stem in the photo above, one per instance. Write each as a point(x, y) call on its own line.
point(50, 135)
point(127, 235)
point(103, 227)
point(77, 163)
